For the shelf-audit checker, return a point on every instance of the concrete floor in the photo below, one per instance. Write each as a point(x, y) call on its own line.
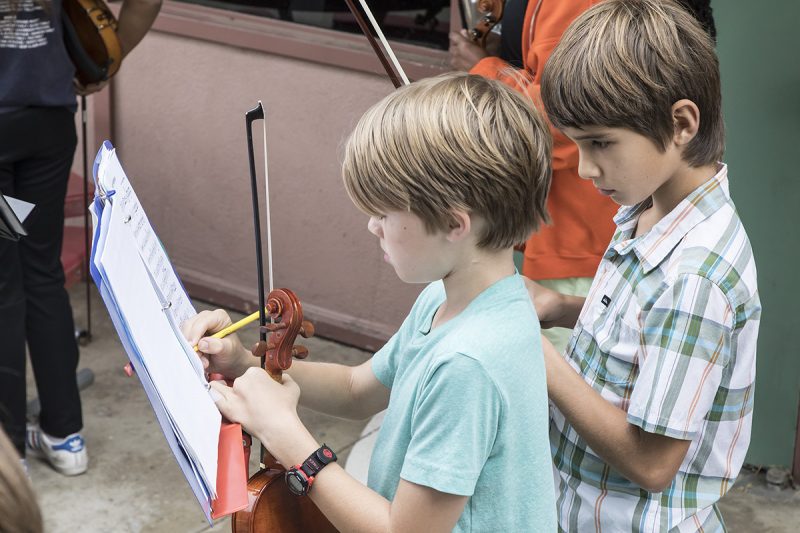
point(134, 484)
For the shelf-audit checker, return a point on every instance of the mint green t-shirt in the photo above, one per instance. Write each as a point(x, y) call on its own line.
point(468, 410)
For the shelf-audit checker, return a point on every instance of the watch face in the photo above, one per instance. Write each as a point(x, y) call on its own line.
point(294, 483)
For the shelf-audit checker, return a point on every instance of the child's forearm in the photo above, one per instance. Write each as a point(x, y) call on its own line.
point(351, 506)
point(554, 309)
point(649, 460)
point(571, 307)
point(326, 388)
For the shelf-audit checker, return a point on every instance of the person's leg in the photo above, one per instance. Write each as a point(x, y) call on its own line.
point(42, 178)
point(574, 287)
point(12, 306)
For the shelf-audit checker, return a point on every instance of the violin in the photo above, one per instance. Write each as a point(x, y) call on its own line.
point(271, 507)
point(90, 36)
point(492, 11)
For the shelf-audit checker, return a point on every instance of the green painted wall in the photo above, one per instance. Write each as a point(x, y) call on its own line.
point(759, 49)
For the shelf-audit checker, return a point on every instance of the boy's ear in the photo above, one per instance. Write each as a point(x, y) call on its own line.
point(460, 225)
point(685, 120)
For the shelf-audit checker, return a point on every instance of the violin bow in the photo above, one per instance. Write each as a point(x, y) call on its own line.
point(251, 116)
point(396, 73)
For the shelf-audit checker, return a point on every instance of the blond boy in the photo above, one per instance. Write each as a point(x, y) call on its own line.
point(453, 172)
point(654, 395)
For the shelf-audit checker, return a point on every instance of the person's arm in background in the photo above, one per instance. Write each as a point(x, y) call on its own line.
point(466, 53)
point(135, 19)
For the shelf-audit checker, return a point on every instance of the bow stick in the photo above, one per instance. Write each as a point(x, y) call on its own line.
point(395, 74)
point(251, 116)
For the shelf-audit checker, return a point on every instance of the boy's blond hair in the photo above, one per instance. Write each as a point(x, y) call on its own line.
point(455, 141)
point(624, 63)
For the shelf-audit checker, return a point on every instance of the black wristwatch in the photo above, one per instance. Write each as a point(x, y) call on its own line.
point(300, 477)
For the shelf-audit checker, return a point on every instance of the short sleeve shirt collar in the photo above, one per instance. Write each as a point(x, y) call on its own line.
point(655, 245)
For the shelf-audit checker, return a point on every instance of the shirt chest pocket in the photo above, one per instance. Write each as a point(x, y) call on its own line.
point(606, 345)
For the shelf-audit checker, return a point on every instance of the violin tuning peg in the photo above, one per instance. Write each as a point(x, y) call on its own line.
point(475, 34)
point(488, 19)
point(307, 329)
point(299, 352)
point(259, 349)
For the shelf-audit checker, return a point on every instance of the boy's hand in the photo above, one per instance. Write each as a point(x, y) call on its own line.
point(264, 407)
point(547, 302)
point(91, 88)
point(224, 356)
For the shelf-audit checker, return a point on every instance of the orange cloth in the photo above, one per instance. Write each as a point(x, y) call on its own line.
point(582, 219)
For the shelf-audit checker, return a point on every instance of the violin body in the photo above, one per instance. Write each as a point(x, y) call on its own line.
point(90, 36)
point(271, 508)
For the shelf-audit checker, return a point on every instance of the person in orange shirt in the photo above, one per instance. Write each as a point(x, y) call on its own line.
point(564, 255)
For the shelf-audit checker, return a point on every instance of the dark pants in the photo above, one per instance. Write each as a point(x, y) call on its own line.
point(36, 149)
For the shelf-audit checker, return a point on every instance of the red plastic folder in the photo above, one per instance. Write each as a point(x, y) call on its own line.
point(231, 472)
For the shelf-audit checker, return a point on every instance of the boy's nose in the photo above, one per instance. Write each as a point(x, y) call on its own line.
point(586, 169)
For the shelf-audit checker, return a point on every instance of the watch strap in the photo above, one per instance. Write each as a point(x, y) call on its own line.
point(305, 473)
point(317, 461)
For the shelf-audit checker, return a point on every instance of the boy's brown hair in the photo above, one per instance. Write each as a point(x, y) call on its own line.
point(455, 141)
point(624, 63)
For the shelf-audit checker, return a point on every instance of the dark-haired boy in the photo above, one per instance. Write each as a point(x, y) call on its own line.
point(654, 397)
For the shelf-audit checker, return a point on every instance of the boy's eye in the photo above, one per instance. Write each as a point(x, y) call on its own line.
point(600, 144)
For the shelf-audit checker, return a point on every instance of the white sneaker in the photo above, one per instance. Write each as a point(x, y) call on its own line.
point(68, 455)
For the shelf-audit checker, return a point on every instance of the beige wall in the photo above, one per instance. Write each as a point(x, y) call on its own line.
point(178, 109)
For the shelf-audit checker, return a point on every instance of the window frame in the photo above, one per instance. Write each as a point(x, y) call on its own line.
point(295, 40)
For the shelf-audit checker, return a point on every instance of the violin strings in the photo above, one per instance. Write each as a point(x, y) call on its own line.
point(385, 43)
point(269, 213)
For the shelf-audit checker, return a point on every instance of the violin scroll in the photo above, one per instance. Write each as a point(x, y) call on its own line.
point(284, 308)
point(492, 11)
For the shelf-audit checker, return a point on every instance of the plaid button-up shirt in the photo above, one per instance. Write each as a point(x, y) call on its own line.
point(668, 334)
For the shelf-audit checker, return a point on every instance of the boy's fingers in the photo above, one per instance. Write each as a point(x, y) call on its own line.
point(203, 323)
point(215, 394)
point(287, 381)
point(210, 345)
point(219, 393)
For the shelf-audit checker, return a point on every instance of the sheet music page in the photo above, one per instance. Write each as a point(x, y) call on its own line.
point(101, 223)
point(193, 414)
point(111, 177)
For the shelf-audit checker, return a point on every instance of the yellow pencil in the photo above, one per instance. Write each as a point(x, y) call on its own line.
point(234, 327)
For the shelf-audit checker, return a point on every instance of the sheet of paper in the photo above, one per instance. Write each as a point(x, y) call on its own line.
point(111, 177)
point(10, 225)
point(194, 416)
point(21, 208)
point(101, 220)
point(196, 484)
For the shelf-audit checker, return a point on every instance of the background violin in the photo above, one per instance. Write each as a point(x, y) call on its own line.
point(492, 11)
point(90, 35)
